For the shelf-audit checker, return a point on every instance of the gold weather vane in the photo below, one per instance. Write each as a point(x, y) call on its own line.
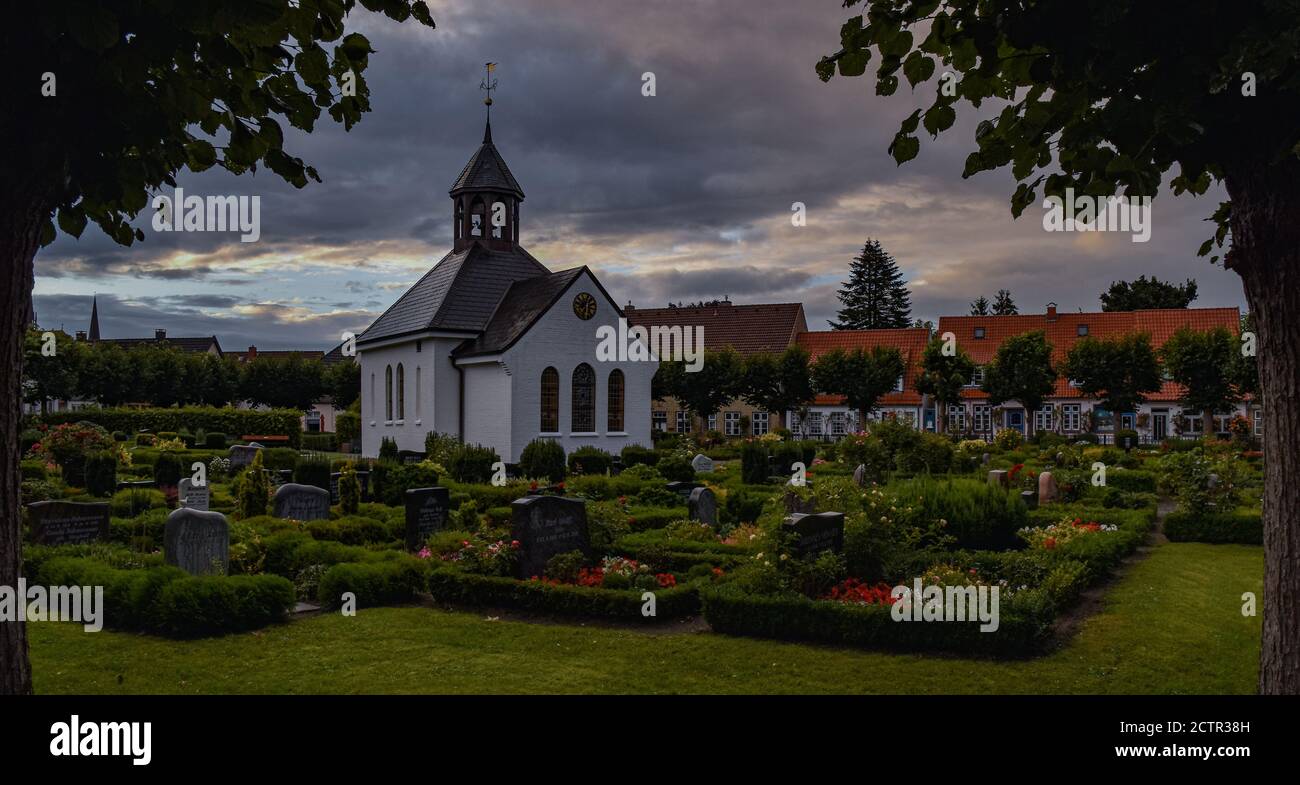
point(488, 84)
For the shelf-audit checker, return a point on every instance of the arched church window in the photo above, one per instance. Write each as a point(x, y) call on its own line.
point(550, 401)
point(388, 393)
point(477, 218)
point(460, 219)
point(401, 392)
point(615, 392)
point(584, 399)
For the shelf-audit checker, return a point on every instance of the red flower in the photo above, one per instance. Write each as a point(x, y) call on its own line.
point(666, 580)
point(514, 545)
point(1049, 543)
point(533, 485)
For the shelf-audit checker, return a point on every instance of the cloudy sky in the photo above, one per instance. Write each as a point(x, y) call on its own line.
point(682, 196)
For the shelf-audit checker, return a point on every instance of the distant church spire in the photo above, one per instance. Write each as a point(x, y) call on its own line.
point(94, 319)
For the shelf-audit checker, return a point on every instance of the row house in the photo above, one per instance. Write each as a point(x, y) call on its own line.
point(1069, 411)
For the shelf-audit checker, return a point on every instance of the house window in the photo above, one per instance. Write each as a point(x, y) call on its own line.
point(898, 384)
point(731, 423)
point(401, 392)
point(979, 333)
point(615, 418)
point(977, 377)
point(814, 424)
point(956, 418)
point(550, 401)
point(1102, 419)
point(659, 421)
point(713, 423)
point(1083, 330)
point(1070, 416)
point(1126, 421)
point(584, 399)
point(1043, 418)
point(683, 421)
point(838, 424)
point(983, 417)
point(388, 393)
point(759, 423)
point(417, 392)
point(1259, 422)
point(372, 395)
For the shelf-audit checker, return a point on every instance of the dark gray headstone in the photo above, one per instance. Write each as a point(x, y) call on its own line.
point(197, 542)
point(193, 497)
point(816, 533)
point(702, 463)
point(546, 526)
point(703, 506)
point(241, 455)
point(796, 504)
point(860, 475)
point(66, 523)
point(302, 502)
point(986, 459)
point(426, 514)
point(1030, 499)
point(1212, 481)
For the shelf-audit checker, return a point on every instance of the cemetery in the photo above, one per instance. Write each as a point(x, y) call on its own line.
point(767, 538)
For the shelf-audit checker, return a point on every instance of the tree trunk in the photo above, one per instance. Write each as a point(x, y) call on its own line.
point(1266, 254)
point(21, 215)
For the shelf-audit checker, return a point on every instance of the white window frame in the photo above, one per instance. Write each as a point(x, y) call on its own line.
point(1259, 422)
point(814, 425)
point(712, 423)
point(759, 423)
point(731, 423)
point(983, 417)
point(1043, 418)
point(838, 424)
point(684, 421)
point(1071, 417)
point(956, 417)
point(976, 377)
point(659, 421)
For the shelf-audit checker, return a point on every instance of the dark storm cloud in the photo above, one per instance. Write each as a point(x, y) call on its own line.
point(673, 197)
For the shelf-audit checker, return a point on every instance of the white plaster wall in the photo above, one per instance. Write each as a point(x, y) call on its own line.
point(561, 339)
point(488, 416)
point(424, 412)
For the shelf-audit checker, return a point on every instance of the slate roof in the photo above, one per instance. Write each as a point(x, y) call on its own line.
point(1063, 331)
point(749, 329)
point(910, 342)
point(191, 345)
point(524, 302)
point(487, 170)
point(459, 294)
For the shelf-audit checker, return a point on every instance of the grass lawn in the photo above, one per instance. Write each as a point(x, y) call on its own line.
point(1173, 624)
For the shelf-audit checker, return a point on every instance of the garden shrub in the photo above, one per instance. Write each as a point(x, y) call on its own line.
point(320, 442)
point(753, 463)
point(438, 447)
point(168, 469)
point(543, 458)
point(929, 454)
point(676, 467)
point(101, 473)
point(742, 507)
point(378, 583)
point(1236, 526)
point(388, 450)
point(451, 585)
point(471, 463)
point(224, 419)
point(1134, 480)
point(977, 514)
point(349, 489)
point(253, 494)
point(312, 471)
point(215, 440)
point(33, 470)
point(637, 455)
point(1008, 439)
point(389, 481)
point(132, 501)
point(785, 455)
point(356, 530)
point(590, 460)
point(279, 458)
point(347, 426)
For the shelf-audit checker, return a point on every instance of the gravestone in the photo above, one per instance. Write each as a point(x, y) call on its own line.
point(302, 502)
point(683, 489)
point(194, 497)
point(860, 475)
point(702, 464)
point(1212, 481)
point(1030, 499)
point(426, 514)
point(999, 478)
point(794, 504)
point(815, 533)
point(197, 541)
point(546, 526)
point(1047, 490)
point(703, 506)
point(986, 459)
point(241, 455)
point(68, 523)
point(334, 487)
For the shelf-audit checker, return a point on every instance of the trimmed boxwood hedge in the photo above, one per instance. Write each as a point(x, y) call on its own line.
point(168, 601)
point(448, 584)
point(1138, 480)
point(1245, 527)
point(239, 422)
point(376, 583)
point(1024, 623)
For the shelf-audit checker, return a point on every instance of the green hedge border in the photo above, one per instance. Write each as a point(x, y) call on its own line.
point(227, 420)
point(1242, 527)
point(451, 585)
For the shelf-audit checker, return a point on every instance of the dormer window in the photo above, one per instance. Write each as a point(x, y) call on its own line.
point(1083, 330)
point(979, 333)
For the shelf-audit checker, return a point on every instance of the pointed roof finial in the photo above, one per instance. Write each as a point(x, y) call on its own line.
point(487, 86)
point(94, 318)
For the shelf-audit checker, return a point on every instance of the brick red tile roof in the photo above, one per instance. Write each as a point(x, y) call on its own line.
point(1063, 331)
point(909, 341)
point(749, 329)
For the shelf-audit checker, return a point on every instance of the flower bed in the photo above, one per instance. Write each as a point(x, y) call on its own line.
point(449, 584)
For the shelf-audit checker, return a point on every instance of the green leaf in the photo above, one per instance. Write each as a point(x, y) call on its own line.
point(854, 63)
point(909, 125)
point(918, 68)
point(200, 154)
point(904, 148)
point(939, 118)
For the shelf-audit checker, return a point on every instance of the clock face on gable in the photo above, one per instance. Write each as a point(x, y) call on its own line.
point(584, 306)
